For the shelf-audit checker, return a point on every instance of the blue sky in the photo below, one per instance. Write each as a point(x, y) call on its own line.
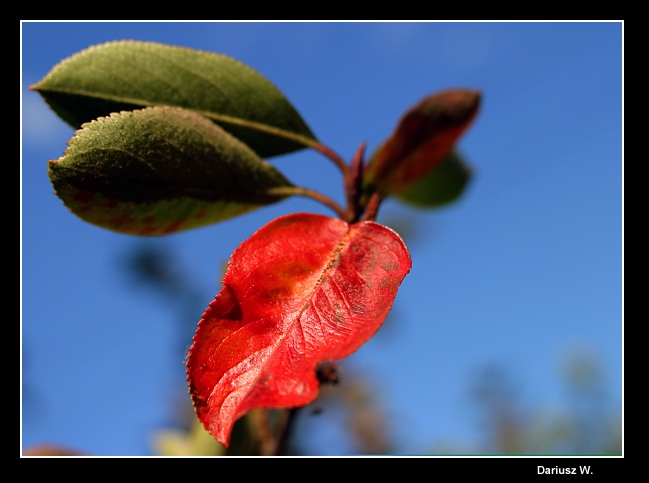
point(525, 270)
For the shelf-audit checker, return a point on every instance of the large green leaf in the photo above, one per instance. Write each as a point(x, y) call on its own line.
point(127, 75)
point(160, 170)
point(443, 185)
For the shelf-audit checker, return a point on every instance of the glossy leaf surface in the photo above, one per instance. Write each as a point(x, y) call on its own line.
point(424, 136)
point(128, 75)
point(160, 170)
point(443, 185)
point(302, 290)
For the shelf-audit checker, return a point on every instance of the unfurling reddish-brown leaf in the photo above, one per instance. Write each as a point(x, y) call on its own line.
point(302, 290)
point(425, 135)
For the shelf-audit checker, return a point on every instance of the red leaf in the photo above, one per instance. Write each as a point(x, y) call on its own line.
point(302, 290)
point(424, 136)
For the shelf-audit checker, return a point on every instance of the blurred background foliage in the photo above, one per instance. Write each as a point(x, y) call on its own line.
point(348, 418)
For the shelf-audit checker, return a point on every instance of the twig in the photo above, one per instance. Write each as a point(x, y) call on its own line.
point(309, 193)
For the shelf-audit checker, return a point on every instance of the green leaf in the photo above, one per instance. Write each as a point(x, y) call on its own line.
point(128, 75)
point(444, 185)
point(160, 170)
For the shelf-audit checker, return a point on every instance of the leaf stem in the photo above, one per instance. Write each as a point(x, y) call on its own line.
point(309, 193)
point(352, 183)
point(331, 154)
point(372, 207)
point(297, 138)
